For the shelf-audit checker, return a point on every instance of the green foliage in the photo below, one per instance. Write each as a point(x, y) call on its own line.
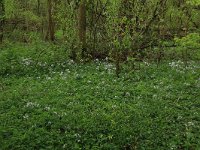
point(24, 37)
point(48, 101)
point(59, 34)
point(21, 59)
point(121, 26)
point(190, 43)
point(194, 2)
point(31, 17)
point(10, 8)
point(83, 106)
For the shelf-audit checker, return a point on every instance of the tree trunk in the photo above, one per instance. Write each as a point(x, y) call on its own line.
point(51, 31)
point(38, 7)
point(82, 26)
point(2, 20)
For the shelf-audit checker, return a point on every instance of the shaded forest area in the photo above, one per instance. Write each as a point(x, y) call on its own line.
point(100, 74)
point(118, 30)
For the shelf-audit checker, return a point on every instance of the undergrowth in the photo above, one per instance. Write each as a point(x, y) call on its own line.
point(49, 102)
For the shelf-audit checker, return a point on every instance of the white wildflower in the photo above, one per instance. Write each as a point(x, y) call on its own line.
point(26, 61)
point(47, 108)
point(26, 116)
point(32, 104)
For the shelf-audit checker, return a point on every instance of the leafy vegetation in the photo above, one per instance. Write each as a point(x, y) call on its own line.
point(99, 74)
point(67, 105)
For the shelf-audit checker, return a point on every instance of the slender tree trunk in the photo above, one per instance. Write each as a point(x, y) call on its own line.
point(2, 20)
point(38, 7)
point(51, 31)
point(82, 25)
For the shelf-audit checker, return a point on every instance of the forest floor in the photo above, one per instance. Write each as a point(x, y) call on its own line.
point(84, 106)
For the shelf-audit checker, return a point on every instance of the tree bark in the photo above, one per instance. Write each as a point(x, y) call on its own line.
point(2, 20)
point(38, 7)
point(51, 31)
point(82, 26)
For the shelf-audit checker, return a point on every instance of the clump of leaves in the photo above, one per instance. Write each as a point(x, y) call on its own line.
point(189, 46)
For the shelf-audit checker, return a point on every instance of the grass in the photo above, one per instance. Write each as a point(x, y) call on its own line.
point(64, 105)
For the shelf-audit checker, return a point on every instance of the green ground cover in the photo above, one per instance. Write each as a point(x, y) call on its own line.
point(50, 104)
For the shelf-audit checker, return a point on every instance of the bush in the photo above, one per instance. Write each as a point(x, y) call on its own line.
point(189, 45)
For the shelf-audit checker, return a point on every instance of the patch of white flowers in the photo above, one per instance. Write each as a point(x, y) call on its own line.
point(70, 62)
point(190, 124)
point(26, 116)
point(108, 66)
point(180, 66)
point(32, 105)
point(27, 61)
point(146, 63)
point(48, 78)
point(177, 65)
point(47, 108)
point(42, 64)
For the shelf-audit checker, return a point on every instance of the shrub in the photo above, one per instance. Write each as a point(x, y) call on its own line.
point(189, 45)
